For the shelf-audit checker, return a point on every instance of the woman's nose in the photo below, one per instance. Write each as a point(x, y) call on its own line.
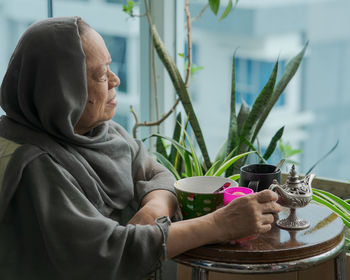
point(113, 80)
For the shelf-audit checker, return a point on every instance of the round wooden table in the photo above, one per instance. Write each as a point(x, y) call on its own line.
point(278, 250)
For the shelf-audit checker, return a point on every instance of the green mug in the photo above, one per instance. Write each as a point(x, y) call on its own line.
point(197, 195)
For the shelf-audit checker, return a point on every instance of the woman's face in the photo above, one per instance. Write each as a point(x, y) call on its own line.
point(101, 83)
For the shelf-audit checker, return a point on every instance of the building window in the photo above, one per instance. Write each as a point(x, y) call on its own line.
point(117, 47)
point(251, 77)
point(121, 1)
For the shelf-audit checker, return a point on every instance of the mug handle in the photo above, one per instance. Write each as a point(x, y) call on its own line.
point(253, 185)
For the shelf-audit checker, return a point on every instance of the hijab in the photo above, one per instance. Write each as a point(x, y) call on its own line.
point(44, 93)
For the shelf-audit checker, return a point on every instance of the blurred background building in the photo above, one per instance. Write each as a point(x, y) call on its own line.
point(314, 107)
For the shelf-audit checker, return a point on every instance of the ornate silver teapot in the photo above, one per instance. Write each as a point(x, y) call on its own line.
point(293, 194)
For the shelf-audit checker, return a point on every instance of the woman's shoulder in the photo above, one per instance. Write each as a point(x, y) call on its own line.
point(7, 147)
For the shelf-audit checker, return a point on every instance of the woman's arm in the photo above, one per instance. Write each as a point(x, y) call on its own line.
point(244, 216)
point(81, 243)
point(155, 204)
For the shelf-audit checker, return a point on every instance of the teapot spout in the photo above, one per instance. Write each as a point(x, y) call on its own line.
point(308, 180)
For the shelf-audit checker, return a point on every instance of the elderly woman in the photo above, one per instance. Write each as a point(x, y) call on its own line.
point(70, 176)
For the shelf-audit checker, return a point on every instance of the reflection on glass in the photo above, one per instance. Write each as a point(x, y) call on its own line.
point(317, 98)
point(321, 224)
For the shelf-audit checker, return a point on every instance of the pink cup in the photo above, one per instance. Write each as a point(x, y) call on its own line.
point(234, 192)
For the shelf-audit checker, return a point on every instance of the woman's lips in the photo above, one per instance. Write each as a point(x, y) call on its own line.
point(112, 101)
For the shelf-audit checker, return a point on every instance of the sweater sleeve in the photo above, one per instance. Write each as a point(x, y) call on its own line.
point(148, 174)
point(80, 242)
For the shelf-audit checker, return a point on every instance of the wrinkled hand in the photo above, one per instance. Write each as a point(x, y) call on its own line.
point(246, 216)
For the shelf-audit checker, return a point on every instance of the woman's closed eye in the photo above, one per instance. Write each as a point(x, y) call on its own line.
point(103, 78)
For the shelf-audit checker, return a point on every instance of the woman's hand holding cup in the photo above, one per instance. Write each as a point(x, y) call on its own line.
point(246, 216)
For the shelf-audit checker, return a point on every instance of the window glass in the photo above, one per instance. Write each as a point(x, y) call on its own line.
point(314, 106)
point(15, 17)
point(252, 76)
point(117, 48)
point(119, 30)
point(120, 1)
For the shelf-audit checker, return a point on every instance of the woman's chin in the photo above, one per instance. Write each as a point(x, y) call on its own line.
point(110, 112)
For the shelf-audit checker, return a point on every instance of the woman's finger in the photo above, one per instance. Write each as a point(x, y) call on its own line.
point(267, 219)
point(266, 196)
point(271, 207)
point(265, 228)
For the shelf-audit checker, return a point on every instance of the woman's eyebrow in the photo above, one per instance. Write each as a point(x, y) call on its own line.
point(101, 67)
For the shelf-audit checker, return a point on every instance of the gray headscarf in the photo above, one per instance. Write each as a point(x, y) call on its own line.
point(44, 93)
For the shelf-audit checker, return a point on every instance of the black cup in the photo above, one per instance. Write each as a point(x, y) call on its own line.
point(259, 177)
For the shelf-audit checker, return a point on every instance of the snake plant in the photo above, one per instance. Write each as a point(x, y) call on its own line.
point(244, 125)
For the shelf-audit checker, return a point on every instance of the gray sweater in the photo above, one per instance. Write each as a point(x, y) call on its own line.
point(65, 197)
point(52, 231)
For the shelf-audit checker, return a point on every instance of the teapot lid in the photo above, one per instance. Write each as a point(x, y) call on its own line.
point(293, 177)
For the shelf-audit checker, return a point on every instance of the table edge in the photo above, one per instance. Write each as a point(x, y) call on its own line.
point(259, 268)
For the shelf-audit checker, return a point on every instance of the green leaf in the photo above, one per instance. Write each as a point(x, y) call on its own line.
point(324, 202)
point(220, 155)
point(176, 137)
point(180, 148)
point(334, 199)
point(290, 162)
point(288, 74)
point(235, 177)
point(129, 7)
point(181, 90)
point(180, 160)
point(242, 115)
point(323, 157)
point(213, 168)
point(181, 54)
point(250, 145)
point(229, 171)
point(286, 149)
point(228, 163)
point(195, 68)
point(335, 205)
point(273, 143)
point(232, 137)
point(347, 240)
point(160, 147)
point(188, 165)
point(227, 10)
point(197, 166)
point(231, 154)
point(331, 205)
point(164, 161)
point(233, 124)
point(214, 6)
point(259, 106)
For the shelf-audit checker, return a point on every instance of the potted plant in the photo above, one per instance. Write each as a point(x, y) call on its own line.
point(244, 125)
point(178, 154)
